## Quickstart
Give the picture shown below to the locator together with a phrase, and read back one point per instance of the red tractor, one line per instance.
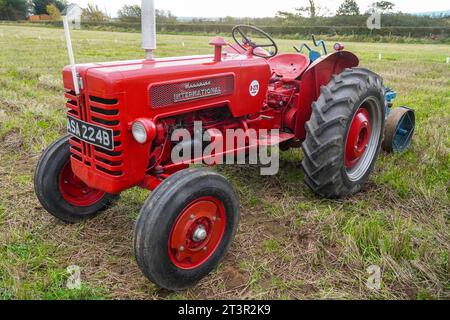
(121, 116)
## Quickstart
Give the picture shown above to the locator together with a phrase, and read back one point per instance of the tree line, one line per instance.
(21, 9)
(348, 14)
(311, 14)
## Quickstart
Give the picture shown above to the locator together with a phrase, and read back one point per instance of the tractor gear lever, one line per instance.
(313, 54)
(320, 43)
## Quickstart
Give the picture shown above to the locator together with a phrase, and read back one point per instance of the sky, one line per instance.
(255, 8)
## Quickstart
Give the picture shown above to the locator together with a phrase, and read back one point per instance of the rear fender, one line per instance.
(319, 74)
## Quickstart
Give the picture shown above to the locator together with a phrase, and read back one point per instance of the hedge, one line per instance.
(412, 32)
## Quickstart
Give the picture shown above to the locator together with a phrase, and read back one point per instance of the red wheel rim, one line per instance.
(197, 233)
(358, 138)
(75, 191)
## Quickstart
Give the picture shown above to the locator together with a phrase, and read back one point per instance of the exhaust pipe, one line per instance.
(148, 28)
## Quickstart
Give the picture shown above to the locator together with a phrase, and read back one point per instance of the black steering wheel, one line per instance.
(242, 31)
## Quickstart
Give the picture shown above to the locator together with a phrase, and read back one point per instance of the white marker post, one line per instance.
(71, 56)
(380, 56)
(448, 60)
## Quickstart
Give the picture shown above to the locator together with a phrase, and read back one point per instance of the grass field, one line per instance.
(290, 244)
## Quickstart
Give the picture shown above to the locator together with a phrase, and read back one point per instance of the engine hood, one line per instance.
(135, 79)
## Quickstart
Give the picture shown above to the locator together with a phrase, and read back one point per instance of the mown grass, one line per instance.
(290, 244)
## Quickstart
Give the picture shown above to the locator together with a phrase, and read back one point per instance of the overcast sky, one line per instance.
(255, 8)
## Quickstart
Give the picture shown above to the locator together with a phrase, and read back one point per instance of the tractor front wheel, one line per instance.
(345, 133)
(61, 192)
(185, 228)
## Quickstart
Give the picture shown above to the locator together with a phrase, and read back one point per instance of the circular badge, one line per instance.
(254, 88)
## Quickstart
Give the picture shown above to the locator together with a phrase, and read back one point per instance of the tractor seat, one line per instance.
(289, 66)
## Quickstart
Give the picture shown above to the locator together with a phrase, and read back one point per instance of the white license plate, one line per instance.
(92, 134)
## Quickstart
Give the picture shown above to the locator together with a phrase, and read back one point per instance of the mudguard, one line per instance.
(319, 74)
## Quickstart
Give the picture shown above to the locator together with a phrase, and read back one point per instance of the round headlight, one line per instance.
(139, 132)
(143, 130)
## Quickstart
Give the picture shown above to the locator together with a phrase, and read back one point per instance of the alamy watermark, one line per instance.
(74, 279)
(374, 279)
(235, 146)
(374, 21)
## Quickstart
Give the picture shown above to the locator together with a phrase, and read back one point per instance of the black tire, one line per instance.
(327, 131)
(46, 185)
(159, 216)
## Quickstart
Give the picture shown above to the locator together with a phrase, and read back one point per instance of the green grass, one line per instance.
(329, 33)
(375, 237)
(27, 271)
(290, 244)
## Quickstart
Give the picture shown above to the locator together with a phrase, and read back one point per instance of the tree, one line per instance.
(382, 6)
(13, 9)
(165, 17)
(61, 4)
(54, 12)
(285, 15)
(310, 10)
(94, 14)
(348, 8)
(130, 13)
(133, 13)
(40, 6)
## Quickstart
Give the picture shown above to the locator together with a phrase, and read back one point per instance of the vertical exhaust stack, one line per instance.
(148, 28)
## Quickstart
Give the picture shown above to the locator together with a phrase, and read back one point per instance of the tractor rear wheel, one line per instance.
(60, 192)
(185, 228)
(344, 134)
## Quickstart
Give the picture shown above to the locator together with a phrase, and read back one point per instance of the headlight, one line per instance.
(143, 130)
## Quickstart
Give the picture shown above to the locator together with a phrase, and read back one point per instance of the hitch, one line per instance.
(400, 125)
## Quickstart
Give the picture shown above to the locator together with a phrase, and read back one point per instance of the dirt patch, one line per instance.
(233, 277)
(12, 141)
(10, 105)
(275, 228)
(306, 238)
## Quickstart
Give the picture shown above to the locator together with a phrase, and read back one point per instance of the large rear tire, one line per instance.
(344, 134)
(60, 192)
(185, 228)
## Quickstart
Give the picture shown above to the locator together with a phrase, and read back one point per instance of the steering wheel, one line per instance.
(246, 41)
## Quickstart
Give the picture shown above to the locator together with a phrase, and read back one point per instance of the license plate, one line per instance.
(92, 134)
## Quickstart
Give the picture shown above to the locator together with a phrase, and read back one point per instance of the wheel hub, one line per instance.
(200, 234)
(197, 233)
(358, 138)
(75, 191)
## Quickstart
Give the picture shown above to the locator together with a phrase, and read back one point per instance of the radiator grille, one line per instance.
(104, 113)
